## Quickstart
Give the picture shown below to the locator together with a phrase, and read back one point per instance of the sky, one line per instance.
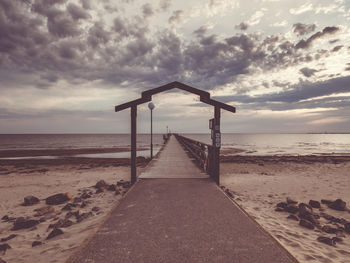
(65, 64)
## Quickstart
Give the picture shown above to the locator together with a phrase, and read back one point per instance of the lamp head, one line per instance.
(151, 106)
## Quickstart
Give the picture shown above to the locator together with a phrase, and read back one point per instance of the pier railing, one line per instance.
(203, 153)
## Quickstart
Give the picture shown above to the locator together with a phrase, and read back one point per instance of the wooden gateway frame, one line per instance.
(204, 97)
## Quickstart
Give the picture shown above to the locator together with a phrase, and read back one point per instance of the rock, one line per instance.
(293, 217)
(282, 205)
(85, 196)
(291, 201)
(22, 223)
(305, 212)
(62, 223)
(337, 240)
(70, 214)
(326, 202)
(326, 240)
(44, 210)
(279, 209)
(347, 228)
(305, 208)
(5, 218)
(101, 184)
(330, 230)
(83, 216)
(69, 207)
(293, 209)
(77, 200)
(112, 187)
(4, 247)
(58, 199)
(306, 223)
(8, 238)
(99, 190)
(95, 209)
(338, 204)
(83, 204)
(229, 193)
(314, 204)
(117, 192)
(30, 200)
(124, 184)
(55, 233)
(36, 243)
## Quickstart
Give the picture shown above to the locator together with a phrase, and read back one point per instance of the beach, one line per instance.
(258, 184)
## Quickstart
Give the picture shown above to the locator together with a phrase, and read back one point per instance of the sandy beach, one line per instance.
(44, 178)
(260, 183)
(257, 183)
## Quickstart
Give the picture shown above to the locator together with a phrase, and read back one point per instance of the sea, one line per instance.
(250, 144)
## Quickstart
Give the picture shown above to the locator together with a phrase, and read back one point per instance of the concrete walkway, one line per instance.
(179, 220)
(173, 162)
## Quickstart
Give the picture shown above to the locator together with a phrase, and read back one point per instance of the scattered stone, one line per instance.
(279, 209)
(99, 190)
(30, 200)
(36, 243)
(55, 233)
(326, 202)
(8, 238)
(85, 196)
(22, 223)
(291, 201)
(58, 199)
(330, 230)
(282, 205)
(62, 223)
(77, 200)
(293, 209)
(326, 240)
(347, 228)
(70, 214)
(112, 187)
(305, 209)
(314, 204)
(68, 207)
(4, 247)
(101, 184)
(83, 204)
(5, 218)
(338, 204)
(96, 209)
(337, 240)
(83, 216)
(305, 212)
(44, 210)
(293, 217)
(124, 184)
(117, 192)
(306, 223)
(229, 193)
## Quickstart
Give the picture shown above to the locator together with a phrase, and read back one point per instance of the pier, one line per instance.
(176, 213)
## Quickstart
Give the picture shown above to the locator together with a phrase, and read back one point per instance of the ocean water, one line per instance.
(251, 144)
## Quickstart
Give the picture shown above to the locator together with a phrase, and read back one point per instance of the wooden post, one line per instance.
(133, 143)
(217, 145)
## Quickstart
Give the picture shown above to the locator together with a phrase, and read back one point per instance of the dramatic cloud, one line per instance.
(242, 26)
(326, 31)
(308, 72)
(303, 29)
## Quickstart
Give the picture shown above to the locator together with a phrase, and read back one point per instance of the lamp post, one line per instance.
(151, 107)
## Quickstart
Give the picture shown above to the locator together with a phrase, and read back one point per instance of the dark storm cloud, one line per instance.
(98, 35)
(297, 93)
(86, 4)
(308, 72)
(200, 32)
(242, 26)
(303, 29)
(147, 10)
(337, 48)
(176, 17)
(326, 31)
(77, 12)
(165, 5)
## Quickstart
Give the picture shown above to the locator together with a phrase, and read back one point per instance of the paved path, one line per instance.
(179, 220)
(173, 162)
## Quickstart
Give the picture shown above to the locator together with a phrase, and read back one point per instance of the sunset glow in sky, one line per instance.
(65, 64)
